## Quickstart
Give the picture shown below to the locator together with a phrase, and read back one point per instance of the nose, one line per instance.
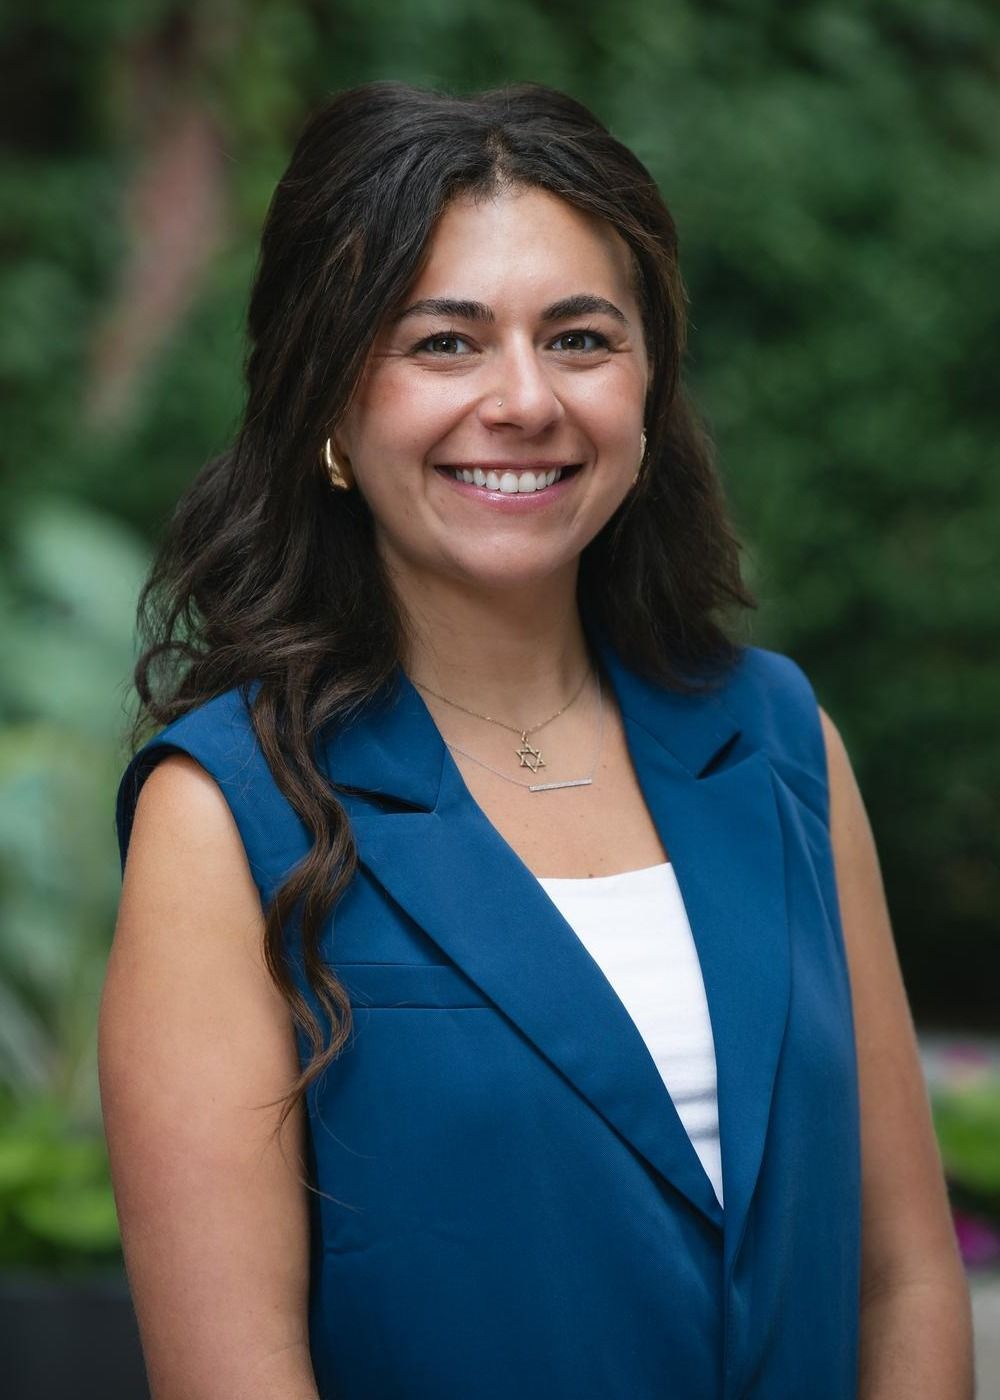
(521, 394)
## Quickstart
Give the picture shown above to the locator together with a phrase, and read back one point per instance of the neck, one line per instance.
(514, 653)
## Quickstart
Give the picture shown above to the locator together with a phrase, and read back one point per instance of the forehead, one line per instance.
(522, 243)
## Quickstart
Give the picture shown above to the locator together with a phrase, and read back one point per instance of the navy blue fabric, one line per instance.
(511, 1204)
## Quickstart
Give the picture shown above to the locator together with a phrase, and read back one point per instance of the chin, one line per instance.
(515, 578)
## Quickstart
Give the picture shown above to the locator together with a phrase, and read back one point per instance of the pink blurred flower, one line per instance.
(978, 1240)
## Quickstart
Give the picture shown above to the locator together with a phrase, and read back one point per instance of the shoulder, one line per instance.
(767, 683)
(182, 835)
(773, 700)
(219, 727)
(853, 842)
(777, 707)
(784, 708)
(206, 766)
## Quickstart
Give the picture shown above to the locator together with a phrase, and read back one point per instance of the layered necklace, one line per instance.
(527, 754)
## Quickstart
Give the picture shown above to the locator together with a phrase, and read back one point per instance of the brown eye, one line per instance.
(444, 345)
(576, 340)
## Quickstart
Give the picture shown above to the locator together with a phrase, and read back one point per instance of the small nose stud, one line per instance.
(499, 403)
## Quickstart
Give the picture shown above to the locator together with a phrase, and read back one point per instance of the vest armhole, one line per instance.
(789, 726)
(133, 779)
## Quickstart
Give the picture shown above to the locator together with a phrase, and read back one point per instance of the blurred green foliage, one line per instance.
(832, 169)
(963, 1078)
(57, 1211)
(968, 1129)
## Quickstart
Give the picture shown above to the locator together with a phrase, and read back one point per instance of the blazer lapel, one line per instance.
(443, 861)
(721, 828)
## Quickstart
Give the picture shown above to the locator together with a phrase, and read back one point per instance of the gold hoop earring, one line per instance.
(334, 470)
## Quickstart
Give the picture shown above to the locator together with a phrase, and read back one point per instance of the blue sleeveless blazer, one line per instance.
(510, 1204)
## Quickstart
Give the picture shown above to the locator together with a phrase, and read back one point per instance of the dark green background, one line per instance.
(833, 172)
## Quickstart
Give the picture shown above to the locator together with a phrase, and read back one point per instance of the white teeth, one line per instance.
(508, 482)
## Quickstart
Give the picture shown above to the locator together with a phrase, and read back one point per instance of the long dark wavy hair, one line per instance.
(267, 574)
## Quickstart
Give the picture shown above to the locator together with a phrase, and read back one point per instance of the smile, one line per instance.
(509, 482)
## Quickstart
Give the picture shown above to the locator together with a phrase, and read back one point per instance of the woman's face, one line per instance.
(518, 352)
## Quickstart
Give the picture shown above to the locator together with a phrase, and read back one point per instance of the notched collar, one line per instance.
(394, 751)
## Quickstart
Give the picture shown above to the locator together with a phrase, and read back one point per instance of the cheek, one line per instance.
(608, 398)
(409, 416)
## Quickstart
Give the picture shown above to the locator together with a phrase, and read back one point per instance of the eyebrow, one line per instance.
(582, 304)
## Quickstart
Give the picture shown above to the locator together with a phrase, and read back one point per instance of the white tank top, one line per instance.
(636, 929)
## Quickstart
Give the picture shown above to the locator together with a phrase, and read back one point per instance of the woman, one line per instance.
(503, 1000)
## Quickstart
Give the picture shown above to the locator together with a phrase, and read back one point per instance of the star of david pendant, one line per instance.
(530, 758)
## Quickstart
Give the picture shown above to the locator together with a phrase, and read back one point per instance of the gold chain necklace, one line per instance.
(549, 787)
(528, 756)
